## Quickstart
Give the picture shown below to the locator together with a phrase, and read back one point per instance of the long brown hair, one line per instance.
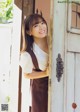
(28, 40)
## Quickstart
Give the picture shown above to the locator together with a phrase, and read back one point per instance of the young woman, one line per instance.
(34, 61)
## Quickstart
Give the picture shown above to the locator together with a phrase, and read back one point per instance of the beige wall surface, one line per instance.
(44, 6)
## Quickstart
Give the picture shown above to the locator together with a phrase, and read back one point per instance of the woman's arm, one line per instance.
(36, 74)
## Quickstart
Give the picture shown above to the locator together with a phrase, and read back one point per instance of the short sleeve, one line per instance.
(26, 62)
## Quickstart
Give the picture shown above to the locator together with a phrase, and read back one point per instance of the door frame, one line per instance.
(58, 49)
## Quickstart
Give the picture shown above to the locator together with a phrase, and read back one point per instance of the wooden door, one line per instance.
(73, 59)
(9, 62)
(65, 93)
(5, 62)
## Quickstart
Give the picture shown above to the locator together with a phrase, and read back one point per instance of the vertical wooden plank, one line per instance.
(27, 6)
(77, 83)
(19, 4)
(50, 52)
(57, 88)
(70, 80)
(16, 34)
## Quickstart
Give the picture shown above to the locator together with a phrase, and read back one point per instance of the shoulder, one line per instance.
(26, 62)
(25, 55)
(25, 58)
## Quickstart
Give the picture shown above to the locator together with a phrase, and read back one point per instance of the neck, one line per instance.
(42, 43)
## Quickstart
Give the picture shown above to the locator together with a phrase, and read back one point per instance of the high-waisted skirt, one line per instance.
(39, 91)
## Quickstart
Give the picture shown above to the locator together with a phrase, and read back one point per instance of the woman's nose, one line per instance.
(40, 26)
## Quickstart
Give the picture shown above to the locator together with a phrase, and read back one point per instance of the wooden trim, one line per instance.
(33, 6)
(70, 29)
(19, 89)
(50, 53)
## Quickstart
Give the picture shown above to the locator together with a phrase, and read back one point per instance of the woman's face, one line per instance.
(39, 30)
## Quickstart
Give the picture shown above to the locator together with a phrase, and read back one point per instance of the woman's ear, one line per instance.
(28, 32)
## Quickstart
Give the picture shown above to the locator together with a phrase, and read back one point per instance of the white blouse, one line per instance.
(26, 60)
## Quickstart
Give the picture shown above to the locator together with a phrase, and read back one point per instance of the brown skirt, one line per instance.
(39, 95)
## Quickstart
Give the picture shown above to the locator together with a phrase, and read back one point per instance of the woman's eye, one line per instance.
(42, 22)
(35, 25)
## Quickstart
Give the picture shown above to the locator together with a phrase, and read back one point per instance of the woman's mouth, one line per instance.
(42, 31)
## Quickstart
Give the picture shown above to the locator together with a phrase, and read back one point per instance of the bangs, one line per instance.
(36, 20)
